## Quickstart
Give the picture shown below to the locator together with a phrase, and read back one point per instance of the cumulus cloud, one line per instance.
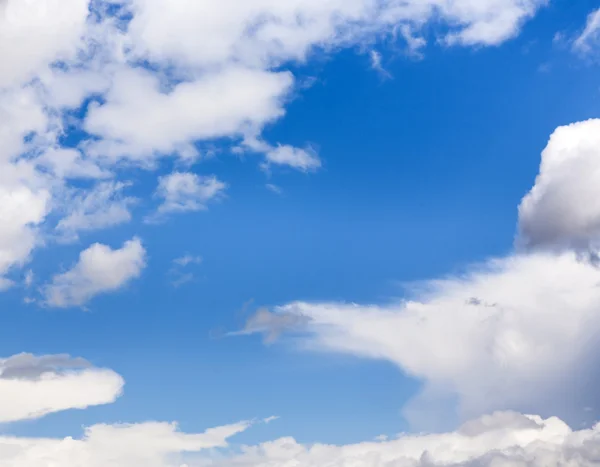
(32, 387)
(46, 31)
(99, 270)
(563, 208)
(532, 325)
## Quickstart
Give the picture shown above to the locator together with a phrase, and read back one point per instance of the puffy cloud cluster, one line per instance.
(153, 78)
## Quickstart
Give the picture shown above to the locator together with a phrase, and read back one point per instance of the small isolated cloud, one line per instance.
(179, 272)
(377, 65)
(38, 386)
(99, 270)
(590, 37)
(186, 260)
(304, 160)
(301, 159)
(185, 192)
(274, 188)
(28, 279)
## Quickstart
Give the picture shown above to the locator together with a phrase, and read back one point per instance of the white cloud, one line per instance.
(32, 387)
(140, 120)
(102, 206)
(21, 211)
(492, 337)
(563, 208)
(99, 270)
(274, 188)
(69, 164)
(504, 439)
(186, 260)
(506, 334)
(590, 36)
(150, 444)
(186, 191)
(217, 70)
(300, 159)
(45, 31)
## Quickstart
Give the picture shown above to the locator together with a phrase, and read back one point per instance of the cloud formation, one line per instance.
(517, 333)
(589, 37)
(563, 207)
(184, 192)
(100, 269)
(151, 79)
(32, 387)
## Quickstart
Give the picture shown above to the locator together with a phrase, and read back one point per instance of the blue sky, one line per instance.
(422, 169)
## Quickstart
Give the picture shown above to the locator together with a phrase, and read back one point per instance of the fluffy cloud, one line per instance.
(46, 31)
(140, 119)
(32, 387)
(147, 444)
(100, 269)
(505, 439)
(563, 208)
(492, 337)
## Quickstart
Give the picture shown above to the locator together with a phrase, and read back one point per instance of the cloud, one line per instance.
(178, 271)
(501, 439)
(96, 86)
(140, 120)
(513, 333)
(563, 208)
(505, 439)
(97, 208)
(274, 188)
(186, 260)
(46, 31)
(538, 331)
(590, 36)
(272, 325)
(32, 387)
(99, 270)
(185, 192)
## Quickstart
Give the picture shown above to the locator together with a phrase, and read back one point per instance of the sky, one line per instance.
(342, 233)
